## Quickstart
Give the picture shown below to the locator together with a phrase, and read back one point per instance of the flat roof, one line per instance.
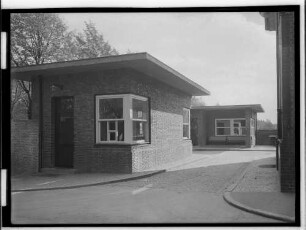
(142, 62)
(255, 107)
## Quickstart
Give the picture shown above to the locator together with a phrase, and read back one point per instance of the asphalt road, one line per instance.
(190, 194)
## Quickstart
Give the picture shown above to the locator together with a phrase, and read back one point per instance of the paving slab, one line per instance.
(54, 180)
(258, 191)
(273, 202)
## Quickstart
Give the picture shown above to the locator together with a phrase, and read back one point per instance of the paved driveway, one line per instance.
(191, 193)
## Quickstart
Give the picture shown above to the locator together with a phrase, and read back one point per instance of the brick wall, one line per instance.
(287, 74)
(262, 137)
(24, 147)
(166, 104)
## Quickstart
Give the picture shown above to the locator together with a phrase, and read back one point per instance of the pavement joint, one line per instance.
(238, 178)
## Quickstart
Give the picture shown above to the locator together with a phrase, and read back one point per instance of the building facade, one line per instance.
(224, 125)
(285, 24)
(118, 114)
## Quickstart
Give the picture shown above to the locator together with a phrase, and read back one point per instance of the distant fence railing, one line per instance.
(266, 137)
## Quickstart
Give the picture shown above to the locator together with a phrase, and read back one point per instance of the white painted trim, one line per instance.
(128, 127)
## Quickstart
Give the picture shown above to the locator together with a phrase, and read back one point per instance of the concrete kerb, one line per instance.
(91, 184)
(228, 198)
(157, 171)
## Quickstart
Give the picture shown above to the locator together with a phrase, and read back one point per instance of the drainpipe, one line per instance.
(40, 106)
(279, 99)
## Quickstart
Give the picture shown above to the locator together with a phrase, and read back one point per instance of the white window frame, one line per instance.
(231, 127)
(188, 110)
(127, 117)
(137, 119)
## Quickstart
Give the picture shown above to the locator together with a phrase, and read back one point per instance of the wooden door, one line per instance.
(64, 132)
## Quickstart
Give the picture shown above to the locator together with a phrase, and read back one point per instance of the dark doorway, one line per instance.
(194, 131)
(63, 111)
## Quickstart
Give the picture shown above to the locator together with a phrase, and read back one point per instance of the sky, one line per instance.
(229, 54)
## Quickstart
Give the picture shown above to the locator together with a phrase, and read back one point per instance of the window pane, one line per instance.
(140, 130)
(103, 131)
(243, 130)
(223, 123)
(236, 131)
(112, 125)
(120, 130)
(185, 116)
(111, 108)
(140, 109)
(241, 121)
(186, 131)
(223, 131)
(112, 136)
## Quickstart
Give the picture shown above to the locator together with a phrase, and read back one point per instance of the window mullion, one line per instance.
(98, 126)
(188, 123)
(127, 105)
(107, 131)
(116, 133)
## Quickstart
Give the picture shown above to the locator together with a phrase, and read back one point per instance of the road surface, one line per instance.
(187, 194)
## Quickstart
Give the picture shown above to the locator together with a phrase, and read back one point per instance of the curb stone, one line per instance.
(91, 184)
(228, 198)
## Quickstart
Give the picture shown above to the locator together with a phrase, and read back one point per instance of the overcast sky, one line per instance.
(230, 54)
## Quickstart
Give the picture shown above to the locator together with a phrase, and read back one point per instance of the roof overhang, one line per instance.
(255, 107)
(142, 62)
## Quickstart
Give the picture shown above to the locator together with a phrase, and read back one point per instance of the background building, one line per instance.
(224, 125)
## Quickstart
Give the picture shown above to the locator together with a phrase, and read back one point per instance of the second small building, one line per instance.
(224, 125)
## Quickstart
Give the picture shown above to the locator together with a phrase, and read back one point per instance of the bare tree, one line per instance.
(35, 39)
(197, 101)
(38, 38)
(91, 44)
